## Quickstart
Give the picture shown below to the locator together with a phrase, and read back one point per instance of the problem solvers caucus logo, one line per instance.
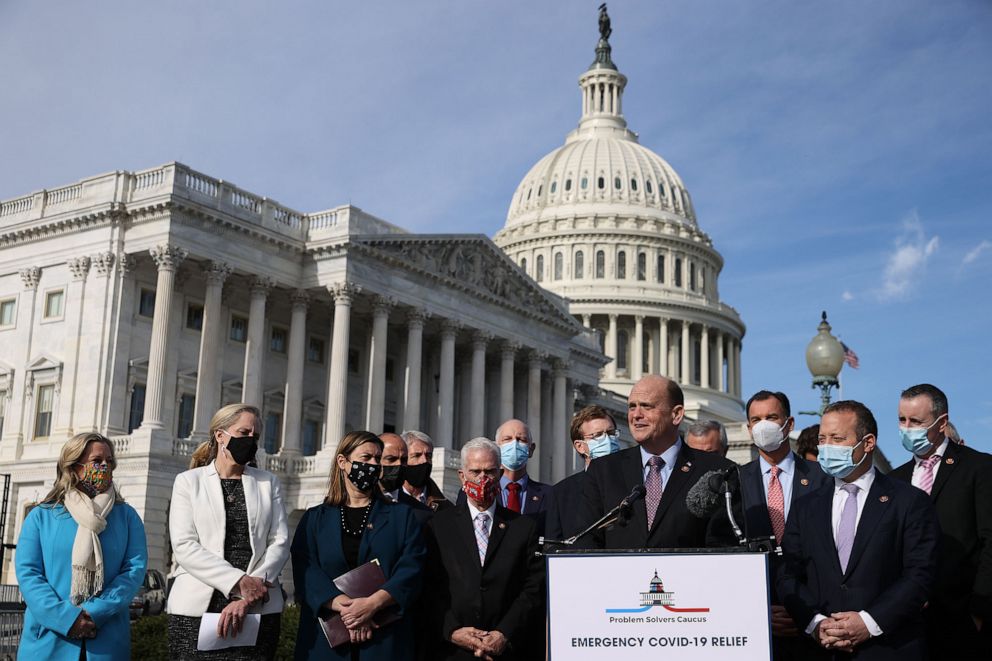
(656, 596)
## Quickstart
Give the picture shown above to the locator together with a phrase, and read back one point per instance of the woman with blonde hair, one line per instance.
(81, 558)
(355, 525)
(230, 540)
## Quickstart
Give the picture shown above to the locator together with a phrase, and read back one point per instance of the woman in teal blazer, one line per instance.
(81, 558)
(353, 526)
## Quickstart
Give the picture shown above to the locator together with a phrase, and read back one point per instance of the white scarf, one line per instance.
(90, 514)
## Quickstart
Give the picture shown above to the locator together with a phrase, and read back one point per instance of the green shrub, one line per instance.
(287, 633)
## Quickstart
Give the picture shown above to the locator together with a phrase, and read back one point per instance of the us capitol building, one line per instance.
(137, 303)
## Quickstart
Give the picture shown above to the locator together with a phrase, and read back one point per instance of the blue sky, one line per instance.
(839, 154)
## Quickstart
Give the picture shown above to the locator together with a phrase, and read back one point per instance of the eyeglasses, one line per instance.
(613, 435)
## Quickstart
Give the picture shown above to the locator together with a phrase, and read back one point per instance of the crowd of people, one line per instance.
(872, 565)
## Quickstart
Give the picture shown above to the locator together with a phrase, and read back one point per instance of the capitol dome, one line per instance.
(608, 224)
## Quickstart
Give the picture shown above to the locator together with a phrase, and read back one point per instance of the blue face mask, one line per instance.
(514, 455)
(602, 445)
(838, 460)
(915, 440)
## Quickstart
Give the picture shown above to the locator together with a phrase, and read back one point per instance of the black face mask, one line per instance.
(392, 477)
(417, 475)
(243, 448)
(363, 475)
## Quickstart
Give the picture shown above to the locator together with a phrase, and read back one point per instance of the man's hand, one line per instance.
(848, 628)
(782, 624)
(232, 618)
(494, 642)
(83, 627)
(470, 639)
(822, 637)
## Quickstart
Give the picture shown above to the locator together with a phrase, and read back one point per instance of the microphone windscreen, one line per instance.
(702, 501)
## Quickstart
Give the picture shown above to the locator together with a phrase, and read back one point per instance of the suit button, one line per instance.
(482, 589)
(843, 587)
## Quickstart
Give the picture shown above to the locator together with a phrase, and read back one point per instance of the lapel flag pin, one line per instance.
(949, 460)
(685, 469)
(883, 499)
(502, 525)
(533, 497)
(804, 482)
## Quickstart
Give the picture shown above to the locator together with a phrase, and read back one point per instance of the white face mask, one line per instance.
(767, 435)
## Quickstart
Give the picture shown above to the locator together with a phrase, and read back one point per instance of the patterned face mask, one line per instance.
(482, 492)
(96, 478)
(363, 475)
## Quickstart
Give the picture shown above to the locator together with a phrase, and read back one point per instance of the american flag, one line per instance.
(850, 357)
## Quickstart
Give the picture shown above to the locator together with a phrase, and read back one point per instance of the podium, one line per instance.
(698, 604)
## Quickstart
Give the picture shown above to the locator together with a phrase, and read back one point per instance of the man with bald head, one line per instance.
(393, 462)
(518, 491)
(663, 464)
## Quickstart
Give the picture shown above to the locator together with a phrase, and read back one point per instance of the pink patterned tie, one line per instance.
(926, 478)
(776, 505)
(652, 486)
(482, 535)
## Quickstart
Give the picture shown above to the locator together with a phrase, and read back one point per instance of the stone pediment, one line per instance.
(44, 362)
(474, 264)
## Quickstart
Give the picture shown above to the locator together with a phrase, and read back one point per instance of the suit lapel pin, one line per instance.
(804, 482)
(502, 525)
(534, 498)
(685, 469)
(949, 460)
(883, 499)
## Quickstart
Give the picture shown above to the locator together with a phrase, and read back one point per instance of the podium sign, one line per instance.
(700, 606)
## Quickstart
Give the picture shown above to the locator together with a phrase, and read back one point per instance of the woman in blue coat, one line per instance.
(81, 558)
(354, 525)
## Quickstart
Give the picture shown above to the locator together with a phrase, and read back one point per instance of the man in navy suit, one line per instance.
(519, 492)
(770, 486)
(860, 552)
(959, 482)
(594, 434)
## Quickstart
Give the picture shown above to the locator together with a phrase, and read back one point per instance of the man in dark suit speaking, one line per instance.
(959, 482)
(860, 554)
(662, 463)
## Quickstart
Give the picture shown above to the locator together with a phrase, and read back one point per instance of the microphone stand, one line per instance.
(615, 515)
(759, 544)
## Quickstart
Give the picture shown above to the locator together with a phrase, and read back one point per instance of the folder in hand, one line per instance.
(362, 581)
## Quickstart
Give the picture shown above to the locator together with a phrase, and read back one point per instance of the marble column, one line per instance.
(534, 367)
(375, 401)
(587, 320)
(292, 411)
(721, 383)
(73, 305)
(337, 374)
(252, 384)
(446, 386)
(559, 439)
(637, 369)
(704, 357)
(665, 367)
(731, 368)
(415, 319)
(685, 377)
(167, 259)
(208, 370)
(17, 395)
(611, 348)
(737, 367)
(477, 400)
(507, 354)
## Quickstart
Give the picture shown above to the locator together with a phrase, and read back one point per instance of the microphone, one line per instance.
(704, 497)
(636, 494)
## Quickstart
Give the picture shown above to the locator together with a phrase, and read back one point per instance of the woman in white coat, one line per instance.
(230, 541)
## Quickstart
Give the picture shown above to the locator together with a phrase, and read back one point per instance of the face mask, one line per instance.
(514, 455)
(242, 448)
(837, 460)
(482, 492)
(96, 478)
(767, 435)
(602, 445)
(417, 475)
(363, 475)
(915, 440)
(392, 477)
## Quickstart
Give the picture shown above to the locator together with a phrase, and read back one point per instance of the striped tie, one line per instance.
(776, 505)
(482, 535)
(926, 476)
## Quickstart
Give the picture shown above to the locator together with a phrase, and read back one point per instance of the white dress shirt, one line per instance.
(474, 511)
(840, 498)
(669, 456)
(918, 472)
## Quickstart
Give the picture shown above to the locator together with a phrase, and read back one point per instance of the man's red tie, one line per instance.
(513, 499)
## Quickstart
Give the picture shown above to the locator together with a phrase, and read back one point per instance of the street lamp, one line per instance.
(824, 358)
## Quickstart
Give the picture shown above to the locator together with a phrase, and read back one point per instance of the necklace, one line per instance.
(361, 527)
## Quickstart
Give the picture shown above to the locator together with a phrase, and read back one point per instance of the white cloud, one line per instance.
(976, 252)
(847, 296)
(906, 263)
